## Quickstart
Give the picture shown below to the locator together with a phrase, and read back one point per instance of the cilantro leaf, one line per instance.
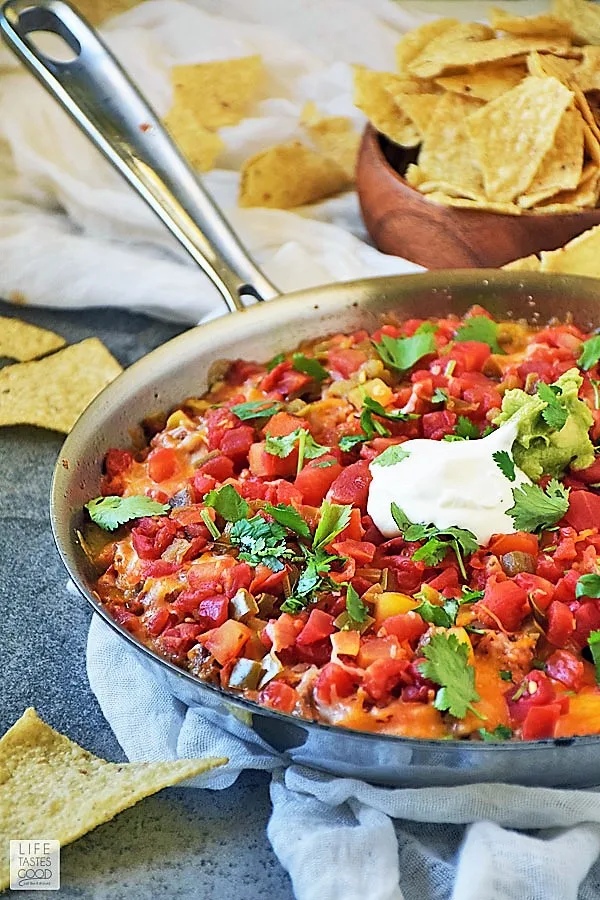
(505, 463)
(275, 361)
(443, 616)
(394, 415)
(309, 366)
(349, 441)
(439, 396)
(255, 409)
(500, 733)
(402, 353)
(432, 552)
(590, 353)
(400, 517)
(228, 503)
(554, 414)
(482, 329)
(594, 645)
(260, 542)
(357, 610)
(110, 512)
(534, 508)
(289, 517)
(588, 586)
(438, 540)
(333, 519)
(426, 327)
(469, 596)
(505, 674)
(447, 665)
(313, 578)
(284, 445)
(466, 429)
(390, 456)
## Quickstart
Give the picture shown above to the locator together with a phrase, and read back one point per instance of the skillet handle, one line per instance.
(109, 109)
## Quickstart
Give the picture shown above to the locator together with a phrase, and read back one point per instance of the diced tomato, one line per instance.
(507, 602)
(157, 621)
(385, 675)
(405, 626)
(438, 424)
(284, 380)
(180, 638)
(564, 666)
(354, 530)
(280, 696)
(282, 632)
(540, 722)
(591, 475)
(469, 355)
(583, 511)
(587, 619)
(361, 551)
(239, 576)
(266, 580)
(162, 463)
(372, 648)
(539, 590)
(315, 654)
(157, 568)
(315, 479)
(407, 574)
(282, 424)
(116, 462)
(561, 624)
(345, 361)
(270, 466)
(564, 591)
(334, 683)
(352, 486)
(236, 442)
(288, 493)
(319, 626)
(448, 578)
(548, 568)
(202, 485)
(218, 421)
(151, 537)
(219, 468)
(519, 542)
(212, 611)
(536, 689)
(226, 641)
(341, 576)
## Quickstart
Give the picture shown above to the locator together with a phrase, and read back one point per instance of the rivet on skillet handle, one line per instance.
(109, 109)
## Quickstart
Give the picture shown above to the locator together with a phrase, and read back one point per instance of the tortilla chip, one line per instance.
(51, 786)
(289, 175)
(544, 24)
(420, 108)
(446, 154)
(509, 209)
(581, 256)
(584, 196)
(511, 135)
(372, 94)
(583, 16)
(97, 11)
(200, 146)
(216, 93)
(525, 264)
(415, 41)
(544, 65)
(53, 392)
(460, 54)
(22, 341)
(586, 74)
(592, 146)
(562, 166)
(334, 136)
(485, 82)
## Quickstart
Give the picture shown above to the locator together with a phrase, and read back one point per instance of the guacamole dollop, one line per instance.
(540, 449)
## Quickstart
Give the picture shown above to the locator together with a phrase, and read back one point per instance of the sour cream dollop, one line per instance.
(447, 483)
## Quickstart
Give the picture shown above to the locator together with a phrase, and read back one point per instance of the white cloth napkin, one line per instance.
(342, 839)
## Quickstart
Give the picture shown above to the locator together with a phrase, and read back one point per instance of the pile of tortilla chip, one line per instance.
(581, 256)
(50, 385)
(52, 787)
(505, 117)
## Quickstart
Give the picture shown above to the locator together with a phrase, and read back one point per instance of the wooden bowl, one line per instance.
(401, 221)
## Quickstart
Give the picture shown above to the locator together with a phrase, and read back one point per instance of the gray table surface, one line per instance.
(181, 843)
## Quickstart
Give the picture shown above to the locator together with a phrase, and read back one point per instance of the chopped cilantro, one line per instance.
(500, 733)
(349, 441)
(482, 329)
(590, 353)
(356, 609)
(261, 542)
(289, 517)
(432, 552)
(447, 665)
(554, 414)
(255, 409)
(284, 445)
(372, 427)
(594, 645)
(469, 596)
(394, 415)
(588, 586)
(309, 366)
(228, 503)
(214, 531)
(275, 361)
(505, 463)
(534, 509)
(402, 353)
(439, 396)
(438, 541)
(465, 430)
(426, 327)
(110, 512)
(390, 456)
(443, 616)
(538, 664)
(333, 519)
(505, 674)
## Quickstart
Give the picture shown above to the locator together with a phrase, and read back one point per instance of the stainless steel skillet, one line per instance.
(98, 95)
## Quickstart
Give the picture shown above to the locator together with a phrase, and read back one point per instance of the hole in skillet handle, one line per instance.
(45, 33)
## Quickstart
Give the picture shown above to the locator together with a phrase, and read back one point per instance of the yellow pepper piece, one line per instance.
(392, 603)
(375, 388)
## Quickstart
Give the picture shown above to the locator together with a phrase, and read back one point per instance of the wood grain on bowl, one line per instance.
(403, 222)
